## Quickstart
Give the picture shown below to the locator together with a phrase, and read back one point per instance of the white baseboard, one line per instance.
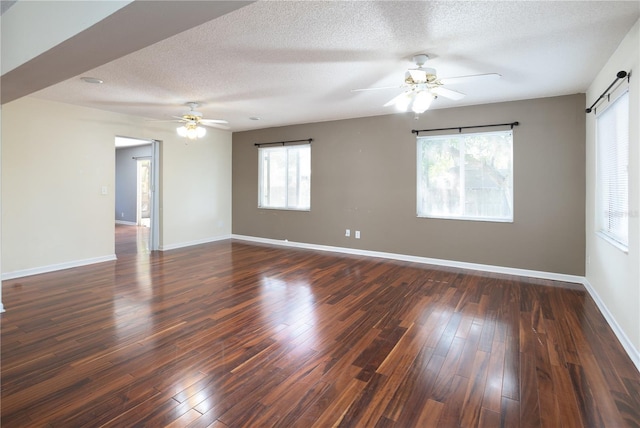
(56, 267)
(417, 259)
(126, 223)
(191, 243)
(633, 353)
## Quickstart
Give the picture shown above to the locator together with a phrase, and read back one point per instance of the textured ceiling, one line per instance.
(290, 62)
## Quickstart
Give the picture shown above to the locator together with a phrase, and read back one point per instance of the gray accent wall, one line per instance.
(363, 177)
(126, 181)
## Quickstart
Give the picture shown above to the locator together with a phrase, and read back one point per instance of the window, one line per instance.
(612, 161)
(466, 176)
(284, 177)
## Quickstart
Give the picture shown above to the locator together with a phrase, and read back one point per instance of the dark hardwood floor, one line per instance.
(233, 334)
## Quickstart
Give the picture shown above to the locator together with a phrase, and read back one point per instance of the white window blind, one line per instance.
(612, 164)
(284, 177)
(466, 176)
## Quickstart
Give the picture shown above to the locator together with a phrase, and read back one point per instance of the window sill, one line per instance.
(486, 220)
(610, 240)
(285, 209)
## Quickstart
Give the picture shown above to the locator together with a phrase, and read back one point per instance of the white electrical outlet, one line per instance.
(357, 234)
(347, 233)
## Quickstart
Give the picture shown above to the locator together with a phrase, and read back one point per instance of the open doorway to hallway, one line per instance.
(135, 201)
(143, 194)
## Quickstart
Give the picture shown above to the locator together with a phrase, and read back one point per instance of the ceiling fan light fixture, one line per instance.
(191, 131)
(422, 101)
(402, 103)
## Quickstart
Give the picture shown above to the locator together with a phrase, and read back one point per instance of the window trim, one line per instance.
(600, 215)
(260, 168)
(510, 219)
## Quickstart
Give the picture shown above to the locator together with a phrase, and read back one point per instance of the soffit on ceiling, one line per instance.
(5, 5)
(297, 62)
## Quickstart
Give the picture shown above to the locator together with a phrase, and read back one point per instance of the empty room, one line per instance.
(320, 213)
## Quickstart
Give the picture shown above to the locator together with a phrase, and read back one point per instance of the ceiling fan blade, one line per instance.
(395, 99)
(447, 93)
(459, 79)
(165, 121)
(211, 121)
(215, 125)
(376, 89)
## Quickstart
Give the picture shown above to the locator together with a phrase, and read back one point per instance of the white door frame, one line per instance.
(154, 236)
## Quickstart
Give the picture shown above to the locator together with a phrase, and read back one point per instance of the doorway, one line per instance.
(143, 184)
(136, 204)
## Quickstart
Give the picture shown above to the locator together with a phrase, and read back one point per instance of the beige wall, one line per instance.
(364, 178)
(55, 160)
(613, 274)
(196, 195)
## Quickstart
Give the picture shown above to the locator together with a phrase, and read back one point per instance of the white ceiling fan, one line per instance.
(192, 120)
(422, 85)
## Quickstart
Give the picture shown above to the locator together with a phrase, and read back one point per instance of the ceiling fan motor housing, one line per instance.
(420, 75)
(420, 59)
